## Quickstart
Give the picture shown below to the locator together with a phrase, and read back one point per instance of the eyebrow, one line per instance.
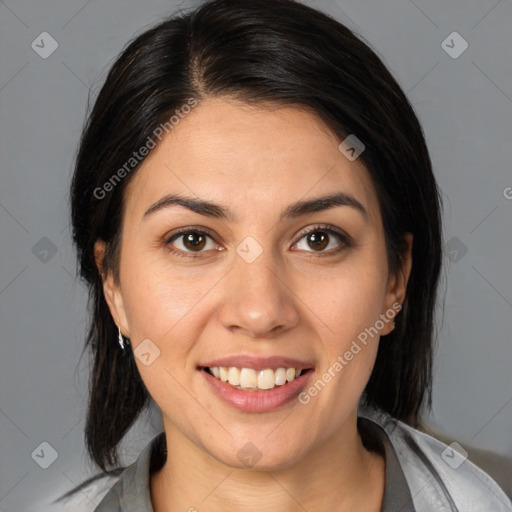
(293, 211)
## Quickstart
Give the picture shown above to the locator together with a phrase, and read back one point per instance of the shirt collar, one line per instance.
(131, 493)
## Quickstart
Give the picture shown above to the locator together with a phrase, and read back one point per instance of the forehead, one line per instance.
(256, 160)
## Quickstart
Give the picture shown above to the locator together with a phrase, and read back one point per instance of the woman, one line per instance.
(257, 219)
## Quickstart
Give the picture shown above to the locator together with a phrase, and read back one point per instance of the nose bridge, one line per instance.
(258, 300)
(259, 277)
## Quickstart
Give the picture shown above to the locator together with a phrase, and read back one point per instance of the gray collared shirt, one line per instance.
(422, 474)
(131, 493)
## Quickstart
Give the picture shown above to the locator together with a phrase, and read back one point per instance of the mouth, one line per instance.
(257, 380)
(255, 384)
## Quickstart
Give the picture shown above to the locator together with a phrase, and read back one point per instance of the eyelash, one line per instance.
(324, 228)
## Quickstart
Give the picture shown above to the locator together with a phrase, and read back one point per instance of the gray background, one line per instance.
(465, 106)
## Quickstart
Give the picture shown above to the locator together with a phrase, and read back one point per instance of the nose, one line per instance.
(257, 300)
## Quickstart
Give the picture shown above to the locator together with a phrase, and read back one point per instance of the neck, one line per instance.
(191, 479)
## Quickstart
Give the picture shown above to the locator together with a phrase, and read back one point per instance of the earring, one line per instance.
(120, 338)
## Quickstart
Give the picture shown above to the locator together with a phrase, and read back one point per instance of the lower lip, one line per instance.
(256, 401)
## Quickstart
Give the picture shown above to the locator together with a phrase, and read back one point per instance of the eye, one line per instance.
(325, 239)
(319, 238)
(190, 241)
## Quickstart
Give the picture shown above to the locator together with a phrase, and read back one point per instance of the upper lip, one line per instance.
(257, 363)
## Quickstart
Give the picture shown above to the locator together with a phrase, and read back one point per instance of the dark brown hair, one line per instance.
(261, 52)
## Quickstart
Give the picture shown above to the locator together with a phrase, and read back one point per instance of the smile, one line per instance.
(249, 379)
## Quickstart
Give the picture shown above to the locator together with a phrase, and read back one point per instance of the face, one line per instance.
(261, 282)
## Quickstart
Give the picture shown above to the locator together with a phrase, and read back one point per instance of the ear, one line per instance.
(397, 284)
(111, 289)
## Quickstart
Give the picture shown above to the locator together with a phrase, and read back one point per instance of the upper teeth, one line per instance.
(248, 378)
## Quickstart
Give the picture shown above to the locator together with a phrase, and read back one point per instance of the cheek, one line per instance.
(348, 306)
(164, 308)
(348, 298)
(158, 299)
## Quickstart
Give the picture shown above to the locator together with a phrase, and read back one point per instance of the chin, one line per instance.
(259, 456)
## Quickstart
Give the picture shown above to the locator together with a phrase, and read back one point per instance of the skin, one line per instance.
(293, 300)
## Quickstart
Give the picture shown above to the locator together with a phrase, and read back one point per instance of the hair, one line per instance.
(264, 53)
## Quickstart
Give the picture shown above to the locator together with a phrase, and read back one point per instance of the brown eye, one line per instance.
(318, 240)
(186, 243)
(194, 241)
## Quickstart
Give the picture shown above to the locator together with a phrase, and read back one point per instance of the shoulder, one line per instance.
(437, 474)
(88, 498)
(130, 491)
